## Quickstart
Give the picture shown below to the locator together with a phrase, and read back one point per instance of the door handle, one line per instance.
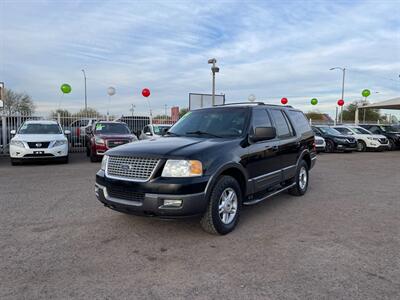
(273, 148)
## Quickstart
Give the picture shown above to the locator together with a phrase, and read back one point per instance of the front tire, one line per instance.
(301, 180)
(224, 207)
(15, 162)
(94, 157)
(392, 145)
(361, 146)
(329, 147)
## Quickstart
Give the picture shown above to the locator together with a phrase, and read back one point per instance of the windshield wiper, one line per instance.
(172, 133)
(199, 132)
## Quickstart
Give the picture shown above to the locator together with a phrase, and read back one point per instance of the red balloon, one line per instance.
(146, 92)
(284, 101)
(340, 102)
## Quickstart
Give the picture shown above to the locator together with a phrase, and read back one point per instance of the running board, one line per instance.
(255, 201)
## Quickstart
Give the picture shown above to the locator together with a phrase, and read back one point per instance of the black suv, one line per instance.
(210, 163)
(391, 132)
(335, 141)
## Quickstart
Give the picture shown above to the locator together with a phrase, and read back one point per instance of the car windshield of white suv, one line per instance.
(40, 129)
(215, 122)
(107, 128)
(359, 130)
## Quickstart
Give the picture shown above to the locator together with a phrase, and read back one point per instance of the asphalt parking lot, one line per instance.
(340, 241)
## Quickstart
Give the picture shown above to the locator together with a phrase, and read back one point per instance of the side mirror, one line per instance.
(13, 132)
(88, 130)
(263, 134)
(67, 132)
(164, 131)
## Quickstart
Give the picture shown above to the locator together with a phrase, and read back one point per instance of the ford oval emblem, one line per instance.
(125, 167)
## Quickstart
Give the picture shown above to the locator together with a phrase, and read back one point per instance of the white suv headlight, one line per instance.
(104, 163)
(182, 168)
(17, 144)
(59, 143)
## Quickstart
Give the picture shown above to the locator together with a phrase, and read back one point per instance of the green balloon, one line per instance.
(314, 101)
(66, 88)
(366, 93)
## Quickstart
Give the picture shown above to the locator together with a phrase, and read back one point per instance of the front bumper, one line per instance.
(346, 146)
(148, 198)
(29, 153)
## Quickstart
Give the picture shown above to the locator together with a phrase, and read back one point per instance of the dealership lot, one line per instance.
(340, 240)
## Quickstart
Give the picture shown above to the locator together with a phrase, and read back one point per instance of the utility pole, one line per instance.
(341, 108)
(84, 77)
(214, 69)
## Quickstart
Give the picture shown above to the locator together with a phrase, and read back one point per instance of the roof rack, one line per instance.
(238, 103)
(253, 103)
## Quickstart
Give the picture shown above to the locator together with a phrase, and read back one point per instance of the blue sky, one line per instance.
(272, 49)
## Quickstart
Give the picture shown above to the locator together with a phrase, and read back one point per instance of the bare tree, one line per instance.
(18, 103)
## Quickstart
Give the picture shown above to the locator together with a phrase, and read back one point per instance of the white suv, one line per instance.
(365, 139)
(39, 140)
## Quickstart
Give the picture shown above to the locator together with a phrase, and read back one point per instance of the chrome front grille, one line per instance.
(319, 142)
(131, 168)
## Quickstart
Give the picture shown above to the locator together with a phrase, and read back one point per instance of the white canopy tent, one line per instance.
(388, 104)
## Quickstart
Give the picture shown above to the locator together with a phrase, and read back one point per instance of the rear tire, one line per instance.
(301, 179)
(224, 207)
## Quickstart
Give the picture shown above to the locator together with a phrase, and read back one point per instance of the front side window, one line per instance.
(328, 130)
(38, 128)
(282, 127)
(260, 118)
(344, 131)
(213, 122)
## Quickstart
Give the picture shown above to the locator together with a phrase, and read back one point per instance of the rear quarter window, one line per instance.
(299, 121)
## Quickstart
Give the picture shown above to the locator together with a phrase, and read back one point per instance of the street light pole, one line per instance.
(341, 108)
(214, 69)
(84, 77)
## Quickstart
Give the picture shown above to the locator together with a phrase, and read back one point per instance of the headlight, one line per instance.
(182, 168)
(104, 163)
(59, 143)
(340, 140)
(17, 144)
(99, 141)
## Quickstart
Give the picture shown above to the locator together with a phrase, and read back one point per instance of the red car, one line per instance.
(106, 135)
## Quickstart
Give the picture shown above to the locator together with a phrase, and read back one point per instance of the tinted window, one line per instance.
(146, 129)
(282, 128)
(160, 129)
(261, 118)
(344, 130)
(299, 120)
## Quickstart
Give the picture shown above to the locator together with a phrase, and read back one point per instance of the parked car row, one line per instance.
(348, 138)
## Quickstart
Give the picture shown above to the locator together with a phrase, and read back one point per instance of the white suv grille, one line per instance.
(131, 168)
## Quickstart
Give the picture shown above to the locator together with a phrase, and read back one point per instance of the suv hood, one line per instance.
(38, 137)
(169, 146)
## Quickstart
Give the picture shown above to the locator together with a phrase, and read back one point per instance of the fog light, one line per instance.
(173, 203)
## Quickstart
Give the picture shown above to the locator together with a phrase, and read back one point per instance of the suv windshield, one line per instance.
(107, 128)
(359, 130)
(328, 130)
(36, 128)
(388, 128)
(213, 122)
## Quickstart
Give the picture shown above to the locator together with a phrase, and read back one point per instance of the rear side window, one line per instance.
(299, 121)
(281, 125)
(261, 118)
